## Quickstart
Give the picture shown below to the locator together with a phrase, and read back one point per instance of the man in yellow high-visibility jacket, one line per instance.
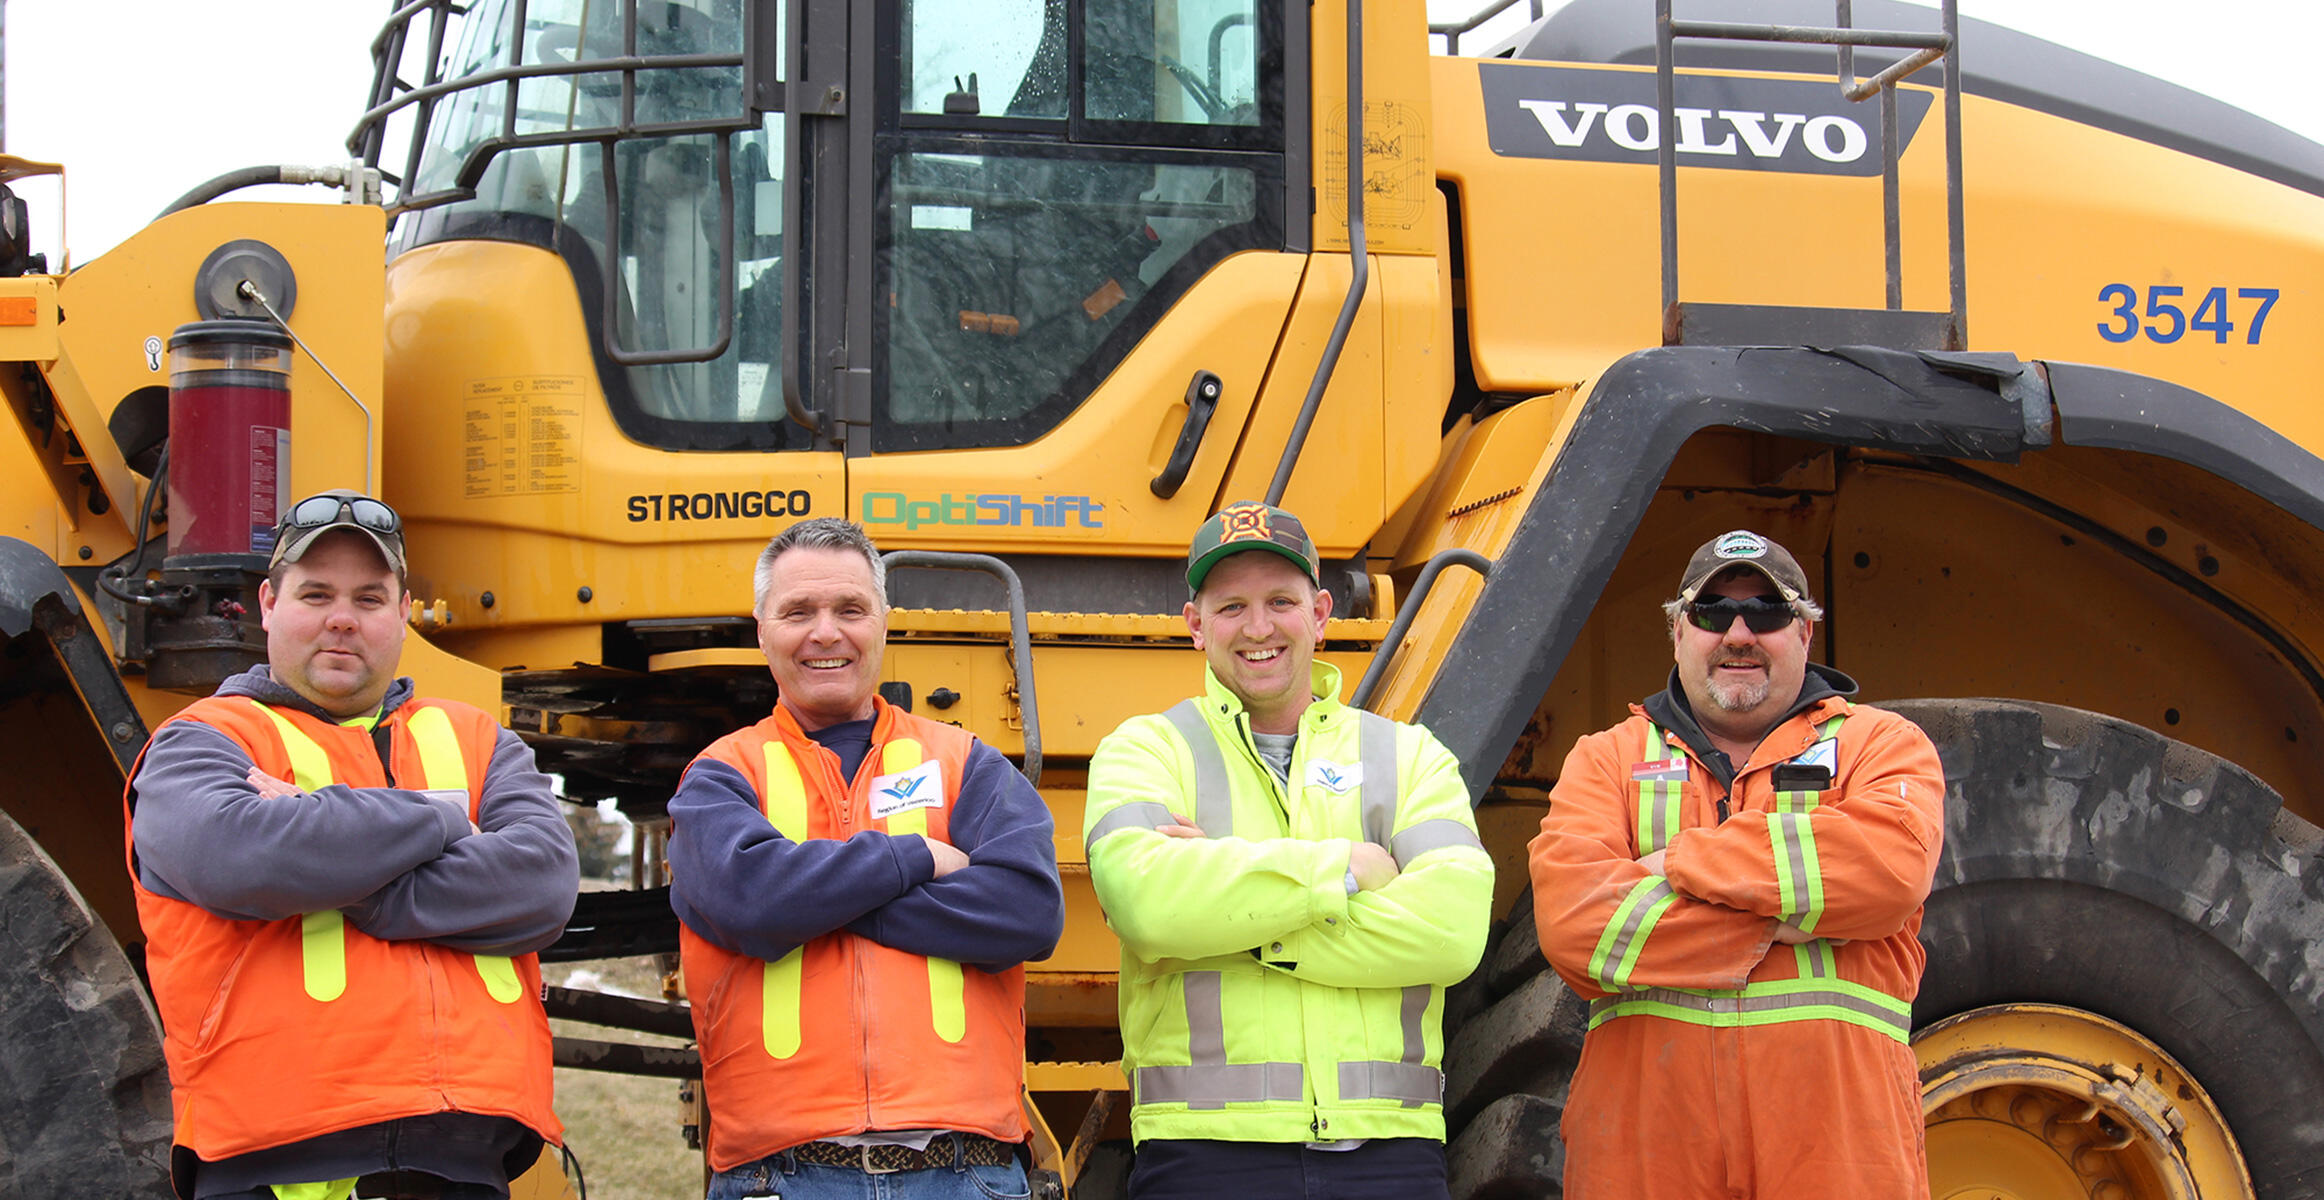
(1294, 883)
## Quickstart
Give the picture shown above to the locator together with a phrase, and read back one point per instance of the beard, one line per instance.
(1735, 695)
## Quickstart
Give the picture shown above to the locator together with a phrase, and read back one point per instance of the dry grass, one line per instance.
(624, 1128)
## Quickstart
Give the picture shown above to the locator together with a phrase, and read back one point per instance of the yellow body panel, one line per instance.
(530, 498)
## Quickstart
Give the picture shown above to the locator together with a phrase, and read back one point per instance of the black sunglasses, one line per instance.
(315, 512)
(1761, 614)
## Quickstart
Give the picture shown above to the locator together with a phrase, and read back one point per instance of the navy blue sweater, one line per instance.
(749, 888)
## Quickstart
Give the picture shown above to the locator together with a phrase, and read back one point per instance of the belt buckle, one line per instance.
(872, 1168)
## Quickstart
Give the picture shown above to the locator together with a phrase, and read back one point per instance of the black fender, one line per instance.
(1977, 407)
(38, 600)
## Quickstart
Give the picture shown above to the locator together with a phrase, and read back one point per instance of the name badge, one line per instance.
(455, 797)
(1674, 767)
(920, 787)
(1337, 778)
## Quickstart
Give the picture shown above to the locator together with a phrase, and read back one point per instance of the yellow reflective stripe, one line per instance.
(444, 768)
(1625, 935)
(1799, 877)
(310, 764)
(947, 992)
(323, 954)
(1659, 800)
(322, 935)
(786, 809)
(337, 1189)
(1771, 1002)
(441, 761)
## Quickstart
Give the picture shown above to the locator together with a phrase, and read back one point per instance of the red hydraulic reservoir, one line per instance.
(229, 438)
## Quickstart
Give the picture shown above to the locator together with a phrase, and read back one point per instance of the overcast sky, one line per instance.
(143, 99)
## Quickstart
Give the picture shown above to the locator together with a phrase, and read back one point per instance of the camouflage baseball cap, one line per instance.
(1250, 525)
(1743, 548)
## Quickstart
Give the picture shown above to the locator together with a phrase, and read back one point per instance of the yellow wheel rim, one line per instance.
(2039, 1102)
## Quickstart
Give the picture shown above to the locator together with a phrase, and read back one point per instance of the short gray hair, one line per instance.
(817, 533)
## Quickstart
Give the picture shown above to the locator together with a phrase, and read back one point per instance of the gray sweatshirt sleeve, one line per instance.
(505, 890)
(204, 835)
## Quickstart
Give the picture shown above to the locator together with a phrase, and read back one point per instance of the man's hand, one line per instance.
(1788, 934)
(948, 857)
(1374, 867)
(1180, 827)
(270, 788)
(1653, 862)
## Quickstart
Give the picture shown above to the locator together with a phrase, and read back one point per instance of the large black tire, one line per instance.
(84, 1094)
(2089, 863)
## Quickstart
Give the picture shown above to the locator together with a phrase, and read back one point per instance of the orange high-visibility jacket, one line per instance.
(843, 1035)
(280, 1031)
(1720, 1062)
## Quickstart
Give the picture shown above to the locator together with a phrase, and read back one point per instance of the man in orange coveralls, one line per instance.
(1733, 877)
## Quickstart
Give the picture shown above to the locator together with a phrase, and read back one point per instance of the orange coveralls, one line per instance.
(1720, 1063)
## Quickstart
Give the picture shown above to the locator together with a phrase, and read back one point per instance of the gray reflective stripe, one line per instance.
(1412, 1081)
(1218, 1086)
(1376, 750)
(1436, 833)
(1410, 1013)
(1206, 1024)
(1214, 806)
(1842, 1001)
(1413, 1084)
(1784, 828)
(1141, 814)
(1658, 799)
(1815, 959)
(1619, 952)
(1209, 1081)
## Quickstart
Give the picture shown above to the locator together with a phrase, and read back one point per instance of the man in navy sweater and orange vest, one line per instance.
(343, 887)
(858, 890)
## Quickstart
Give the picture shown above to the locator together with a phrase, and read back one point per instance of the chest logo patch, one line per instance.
(920, 787)
(1825, 754)
(1337, 778)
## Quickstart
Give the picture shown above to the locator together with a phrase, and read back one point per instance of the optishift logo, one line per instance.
(987, 508)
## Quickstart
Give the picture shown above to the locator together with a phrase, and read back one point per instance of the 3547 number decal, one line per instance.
(2167, 318)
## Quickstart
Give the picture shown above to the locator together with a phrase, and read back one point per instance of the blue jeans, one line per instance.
(1380, 1169)
(779, 1175)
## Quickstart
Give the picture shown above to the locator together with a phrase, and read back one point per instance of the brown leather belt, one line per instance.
(975, 1151)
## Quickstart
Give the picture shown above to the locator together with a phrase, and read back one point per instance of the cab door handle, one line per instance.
(1202, 395)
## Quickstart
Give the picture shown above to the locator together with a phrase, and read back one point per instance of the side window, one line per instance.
(1034, 223)
(993, 58)
(1193, 63)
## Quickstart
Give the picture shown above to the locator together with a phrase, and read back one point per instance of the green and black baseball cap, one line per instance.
(1250, 525)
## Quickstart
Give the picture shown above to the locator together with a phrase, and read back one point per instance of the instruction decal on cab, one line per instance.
(1733, 122)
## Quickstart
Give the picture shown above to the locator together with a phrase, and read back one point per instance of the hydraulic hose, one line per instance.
(234, 181)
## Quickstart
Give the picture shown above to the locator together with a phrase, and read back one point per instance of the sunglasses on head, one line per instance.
(315, 512)
(1761, 614)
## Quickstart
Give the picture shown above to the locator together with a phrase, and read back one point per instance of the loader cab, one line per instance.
(814, 225)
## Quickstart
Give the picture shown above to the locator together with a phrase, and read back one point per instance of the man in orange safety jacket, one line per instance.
(858, 891)
(1733, 877)
(343, 887)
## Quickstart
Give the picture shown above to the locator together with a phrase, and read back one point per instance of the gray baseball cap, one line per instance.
(309, 519)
